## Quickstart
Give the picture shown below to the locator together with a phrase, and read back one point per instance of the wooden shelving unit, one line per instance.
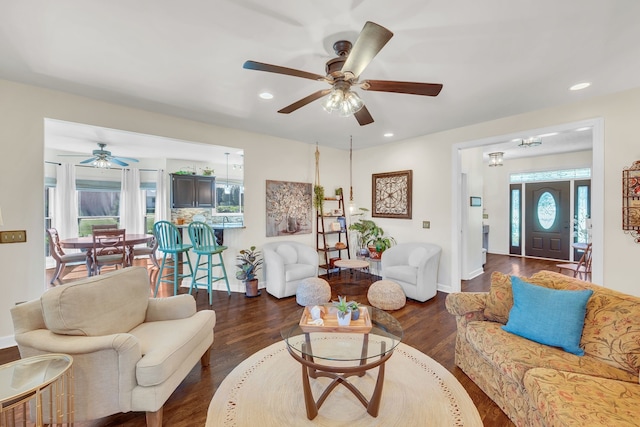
(326, 237)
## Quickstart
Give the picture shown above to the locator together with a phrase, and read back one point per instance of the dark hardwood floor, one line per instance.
(246, 325)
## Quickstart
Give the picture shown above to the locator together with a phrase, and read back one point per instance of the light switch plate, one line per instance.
(16, 236)
(426, 224)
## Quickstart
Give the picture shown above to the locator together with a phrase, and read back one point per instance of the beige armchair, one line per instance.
(286, 264)
(415, 267)
(130, 352)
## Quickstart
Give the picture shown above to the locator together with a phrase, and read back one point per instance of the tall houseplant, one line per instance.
(249, 262)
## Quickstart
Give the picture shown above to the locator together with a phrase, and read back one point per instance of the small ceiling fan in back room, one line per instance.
(343, 72)
(102, 158)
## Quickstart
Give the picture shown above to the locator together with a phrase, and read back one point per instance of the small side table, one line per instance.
(29, 380)
(353, 264)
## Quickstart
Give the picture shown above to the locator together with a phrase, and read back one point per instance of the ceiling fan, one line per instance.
(103, 158)
(343, 73)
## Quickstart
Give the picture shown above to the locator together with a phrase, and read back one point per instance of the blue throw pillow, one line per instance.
(553, 317)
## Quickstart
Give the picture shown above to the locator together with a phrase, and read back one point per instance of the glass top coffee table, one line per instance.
(340, 352)
(27, 379)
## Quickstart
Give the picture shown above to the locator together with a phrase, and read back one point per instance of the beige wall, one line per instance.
(23, 109)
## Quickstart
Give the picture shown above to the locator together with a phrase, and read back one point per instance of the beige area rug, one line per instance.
(266, 390)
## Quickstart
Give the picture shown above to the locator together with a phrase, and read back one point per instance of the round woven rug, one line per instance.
(266, 390)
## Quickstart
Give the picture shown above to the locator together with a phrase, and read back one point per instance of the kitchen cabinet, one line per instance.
(193, 191)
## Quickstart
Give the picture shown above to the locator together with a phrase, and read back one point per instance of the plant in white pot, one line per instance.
(344, 311)
(249, 263)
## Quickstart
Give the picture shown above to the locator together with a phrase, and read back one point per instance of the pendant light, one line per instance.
(227, 189)
(352, 204)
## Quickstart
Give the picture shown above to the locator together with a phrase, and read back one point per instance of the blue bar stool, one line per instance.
(205, 245)
(170, 243)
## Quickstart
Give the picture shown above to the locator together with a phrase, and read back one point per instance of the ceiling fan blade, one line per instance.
(118, 162)
(92, 159)
(363, 116)
(427, 89)
(259, 66)
(304, 101)
(371, 40)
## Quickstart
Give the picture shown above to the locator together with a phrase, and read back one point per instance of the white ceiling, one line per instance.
(495, 58)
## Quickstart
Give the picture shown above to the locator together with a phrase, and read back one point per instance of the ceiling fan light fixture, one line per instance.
(343, 101)
(101, 163)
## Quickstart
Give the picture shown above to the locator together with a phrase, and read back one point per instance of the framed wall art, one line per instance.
(289, 209)
(391, 194)
(631, 200)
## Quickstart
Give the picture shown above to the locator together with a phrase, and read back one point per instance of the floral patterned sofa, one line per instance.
(540, 385)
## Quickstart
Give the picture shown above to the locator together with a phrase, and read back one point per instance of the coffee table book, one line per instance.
(330, 318)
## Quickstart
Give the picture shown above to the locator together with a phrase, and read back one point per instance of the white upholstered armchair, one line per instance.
(130, 352)
(415, 267)
(286, 264)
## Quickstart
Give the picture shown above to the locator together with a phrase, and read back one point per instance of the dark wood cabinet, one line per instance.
(193, 191)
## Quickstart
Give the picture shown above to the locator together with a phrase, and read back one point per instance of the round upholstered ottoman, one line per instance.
(386, 295)
(313, 291)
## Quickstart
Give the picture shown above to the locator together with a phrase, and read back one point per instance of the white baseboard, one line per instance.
(445, 288)
(8, 341)
(219, 286)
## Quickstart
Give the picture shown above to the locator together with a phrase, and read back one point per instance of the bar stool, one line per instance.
(205, 245)
(170, 243)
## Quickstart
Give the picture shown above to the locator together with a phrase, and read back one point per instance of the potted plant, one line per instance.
(378, 242)
(363, 229)
(318, 198)
(249, 262)
(355, 310)
(344, 311)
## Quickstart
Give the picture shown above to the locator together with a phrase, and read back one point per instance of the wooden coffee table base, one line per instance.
(340, 375)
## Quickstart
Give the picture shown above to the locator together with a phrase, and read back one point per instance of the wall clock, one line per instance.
(392, 194)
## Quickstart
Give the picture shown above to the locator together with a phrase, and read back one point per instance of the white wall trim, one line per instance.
(597, 193)
(8, 341)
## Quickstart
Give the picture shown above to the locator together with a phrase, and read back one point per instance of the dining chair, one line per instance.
(109, 248)
(170, 244)
(104, 227)
(581, 269)
(206, 247)
(148, 250)
(60, 256)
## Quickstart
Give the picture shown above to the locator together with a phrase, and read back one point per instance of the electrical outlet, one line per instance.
(16, 236)
(426, 224)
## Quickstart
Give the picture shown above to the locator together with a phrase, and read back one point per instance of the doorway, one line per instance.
(547, 221)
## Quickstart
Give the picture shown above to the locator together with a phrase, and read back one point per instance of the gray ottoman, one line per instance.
(386, 295)
(313, 291)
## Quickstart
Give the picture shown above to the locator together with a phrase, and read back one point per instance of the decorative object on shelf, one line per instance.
(288, 208)
(338, 193)
(207, 171)
(631, 200)
(392, 194)
(249, 263)
(340, 245)
(530, 142)
(495, 159)
(344, 311)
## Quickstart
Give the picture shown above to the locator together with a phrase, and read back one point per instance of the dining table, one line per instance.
(86, 243)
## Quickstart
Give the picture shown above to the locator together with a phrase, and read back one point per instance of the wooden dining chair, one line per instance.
(581, 269)
(109, 249)
(60, 256)
(104, 227)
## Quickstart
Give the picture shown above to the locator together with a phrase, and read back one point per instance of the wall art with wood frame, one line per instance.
(391, 194)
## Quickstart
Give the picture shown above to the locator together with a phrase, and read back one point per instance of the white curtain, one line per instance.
(162, 212)
(131, 202)
(65, 209)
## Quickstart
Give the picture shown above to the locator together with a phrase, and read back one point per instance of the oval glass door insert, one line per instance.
(547, 210)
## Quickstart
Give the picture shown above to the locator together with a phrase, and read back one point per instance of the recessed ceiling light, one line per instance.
(388, 134)
(266, 95)
(580, 86)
